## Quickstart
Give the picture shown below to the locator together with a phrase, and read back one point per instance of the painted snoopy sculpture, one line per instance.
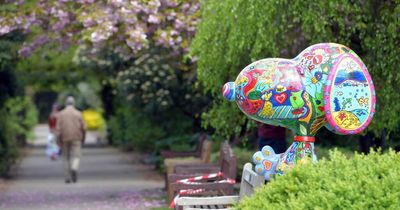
(327, 85)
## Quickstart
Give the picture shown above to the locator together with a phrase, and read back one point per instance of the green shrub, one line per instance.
(130, 129)
(323, 152)
(22, 115)
(243, 156)
(185, 142)
(8, 143)
(363, 182)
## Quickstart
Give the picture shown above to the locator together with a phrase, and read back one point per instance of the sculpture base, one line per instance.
(301, 151)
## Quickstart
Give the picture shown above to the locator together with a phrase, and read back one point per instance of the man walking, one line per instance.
(71, 130)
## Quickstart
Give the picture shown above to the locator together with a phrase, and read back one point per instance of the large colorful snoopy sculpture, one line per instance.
(325, 85)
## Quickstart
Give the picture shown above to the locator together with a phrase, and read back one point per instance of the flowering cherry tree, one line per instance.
(127, 26)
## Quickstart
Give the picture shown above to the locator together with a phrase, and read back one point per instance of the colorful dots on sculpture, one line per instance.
(266, 161)
(327, 85)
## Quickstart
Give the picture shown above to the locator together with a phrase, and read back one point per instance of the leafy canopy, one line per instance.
(232, 34)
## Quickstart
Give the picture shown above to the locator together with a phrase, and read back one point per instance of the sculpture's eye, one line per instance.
(318, 75)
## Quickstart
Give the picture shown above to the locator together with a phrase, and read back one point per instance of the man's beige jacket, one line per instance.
(70, 125)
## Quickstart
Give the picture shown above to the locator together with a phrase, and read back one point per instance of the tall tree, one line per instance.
(234, 33)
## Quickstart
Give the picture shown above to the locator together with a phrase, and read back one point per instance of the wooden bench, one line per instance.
(250, 180)
(195, 153)
(192, 158)
(227, 165)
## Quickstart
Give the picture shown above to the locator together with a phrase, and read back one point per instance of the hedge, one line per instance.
(362, 182)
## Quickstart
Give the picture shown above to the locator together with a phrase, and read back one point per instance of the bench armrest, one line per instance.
(173, 154)
(196, 169)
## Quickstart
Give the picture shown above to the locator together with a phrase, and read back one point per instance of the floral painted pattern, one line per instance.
(325, 85)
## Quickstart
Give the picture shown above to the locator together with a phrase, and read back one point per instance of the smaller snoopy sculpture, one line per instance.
(327, 85)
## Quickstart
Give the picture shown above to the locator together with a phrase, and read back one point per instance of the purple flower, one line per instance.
(59, 26)
(39, 41)
(64, 43)
(25, 51)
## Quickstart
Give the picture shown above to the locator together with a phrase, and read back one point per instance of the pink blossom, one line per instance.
(179, 24)
(153, 19)
(171, 16)
(86, 1)
(97, 36)
(169, 3)
(89, 22)
(185, 6)
(154, 3)
(136, 7)
(5, 29)
(164, 22)
(117, 3)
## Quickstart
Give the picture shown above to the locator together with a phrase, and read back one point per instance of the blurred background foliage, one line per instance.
(18, 114)
(163, 95)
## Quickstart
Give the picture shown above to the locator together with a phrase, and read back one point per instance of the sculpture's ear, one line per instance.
(349, 95)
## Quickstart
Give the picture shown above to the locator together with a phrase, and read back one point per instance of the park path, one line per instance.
(108, 179)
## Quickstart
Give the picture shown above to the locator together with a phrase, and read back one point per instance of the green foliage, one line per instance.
(9, 87)
(234, 33)
(8, 143)
(158, 90)
(183, 142)
(157, 82)
(22, 115)
(51, 69)
(130, 129)
(243, 156)
(323, 152)
(362, 182)
(149, 83)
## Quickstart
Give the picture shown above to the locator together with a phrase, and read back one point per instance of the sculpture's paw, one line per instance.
(266, 161)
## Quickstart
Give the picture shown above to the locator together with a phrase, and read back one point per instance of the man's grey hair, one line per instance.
(70, 101)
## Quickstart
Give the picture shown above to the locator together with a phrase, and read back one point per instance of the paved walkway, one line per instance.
(108, 179)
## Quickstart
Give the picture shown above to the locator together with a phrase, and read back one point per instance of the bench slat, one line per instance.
(220, 200)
